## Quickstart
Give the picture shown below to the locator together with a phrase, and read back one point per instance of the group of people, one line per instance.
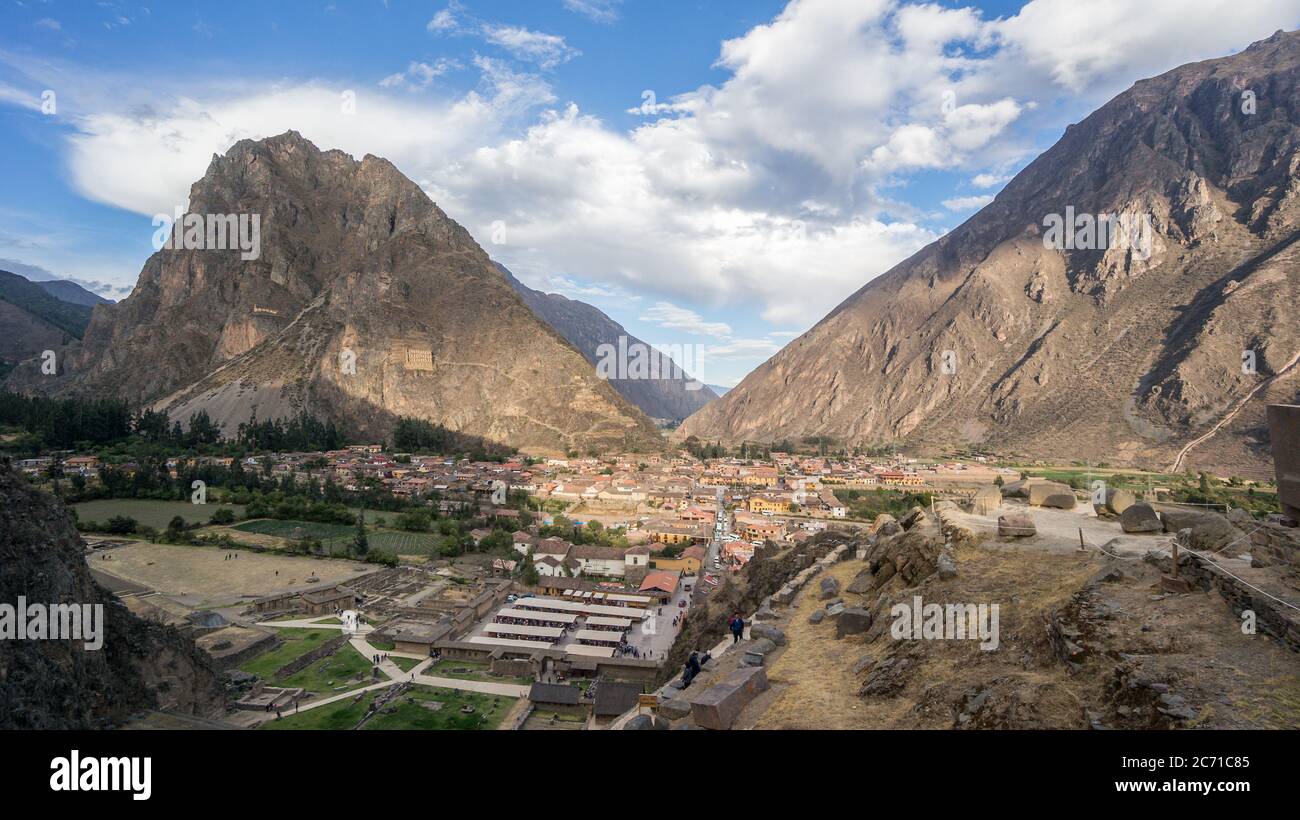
(693, 666)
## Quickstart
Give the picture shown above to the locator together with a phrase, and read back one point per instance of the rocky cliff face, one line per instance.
(366, 302)
(587, 328)
(49, 684)
(1129, 352)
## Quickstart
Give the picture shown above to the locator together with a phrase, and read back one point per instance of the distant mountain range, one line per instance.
(1158, 348)
(72, 293)
(39, 316)
(587, 328)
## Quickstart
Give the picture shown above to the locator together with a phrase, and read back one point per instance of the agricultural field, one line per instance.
(296, 529)
(149, 513)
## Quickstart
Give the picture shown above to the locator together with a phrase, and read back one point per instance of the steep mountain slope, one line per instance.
(32, 298)
(366, 302)
(72, 293)
(587, 328)
(59, 684)
(1126, 353)
(33, 321)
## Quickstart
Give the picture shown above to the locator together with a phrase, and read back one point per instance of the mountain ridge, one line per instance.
(1099, 354)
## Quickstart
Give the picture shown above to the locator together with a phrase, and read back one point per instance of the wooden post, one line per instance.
(1175, 556)
(1082, 548)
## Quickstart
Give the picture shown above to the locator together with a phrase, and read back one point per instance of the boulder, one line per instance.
(986, 500)
(852, 621)
(1140, 517)
(674, 708)
(718, 706)
(645, 722)
(834, 608)
(773, 634)
(1016, 525)
(1060, 501)
(1114, 502)
(817, 617)
(829, 588)
(1039, 492)
(881, 520)
(946, 566)
(1020, 489)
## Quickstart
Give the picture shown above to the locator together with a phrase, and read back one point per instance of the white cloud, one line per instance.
(967, 203)
(48, 23)
(988, 180)
(600, 11)
(762, 193)
(419, 74)
(443, 21)
(547, 50)
(673, 317)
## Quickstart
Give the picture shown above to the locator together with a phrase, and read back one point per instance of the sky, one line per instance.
(716, 175)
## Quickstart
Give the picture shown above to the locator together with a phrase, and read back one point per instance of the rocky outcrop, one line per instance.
(992, 336)
(59, 684)
(365, 303)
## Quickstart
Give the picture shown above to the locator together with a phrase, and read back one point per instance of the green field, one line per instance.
(325, 676)
(488, 711)
(469, 670)
(403, 543)
(149, 513)
(297, 642)
(296, 529)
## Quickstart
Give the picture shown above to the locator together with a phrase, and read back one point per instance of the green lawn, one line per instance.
(488, 712)
(149, 513)
(473, 670)
(325, 676)
(297, 642)
(404, 664)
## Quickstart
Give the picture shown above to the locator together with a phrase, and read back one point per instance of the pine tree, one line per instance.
(359, 543)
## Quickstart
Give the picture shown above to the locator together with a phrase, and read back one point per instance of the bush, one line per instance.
(223, 516)
(121, 525)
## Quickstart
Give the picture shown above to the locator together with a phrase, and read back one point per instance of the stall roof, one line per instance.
(551, 632)
(590, 651)
(599, 635)
(604, 620)
(537, 615)
(483, 639)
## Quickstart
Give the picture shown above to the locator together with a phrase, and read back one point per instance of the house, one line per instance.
(688, 563)
(638, 556)
(660, 583)
(597, 560)
(523, 541)
(557, 697)
(614, 698)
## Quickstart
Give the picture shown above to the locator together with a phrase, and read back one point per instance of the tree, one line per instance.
(223, 516)
(359, 542)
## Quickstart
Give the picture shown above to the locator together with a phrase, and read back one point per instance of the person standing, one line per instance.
(737, 628)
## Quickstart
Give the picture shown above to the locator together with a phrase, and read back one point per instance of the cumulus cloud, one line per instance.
(761, 193)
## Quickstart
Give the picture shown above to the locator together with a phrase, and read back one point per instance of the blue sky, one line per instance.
(790, 152)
